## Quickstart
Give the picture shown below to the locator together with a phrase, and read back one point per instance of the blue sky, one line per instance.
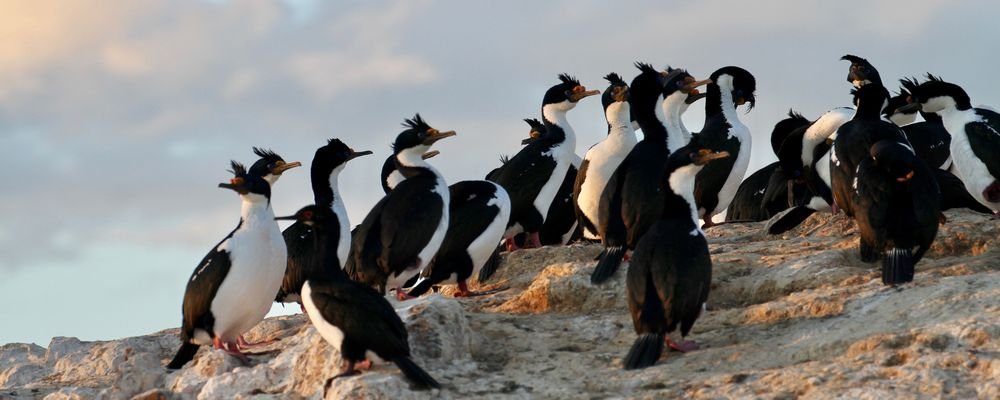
(118, 118)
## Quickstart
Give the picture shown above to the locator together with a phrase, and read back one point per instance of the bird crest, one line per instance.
(569, 80)
(615, 79)
(534, 123)
(908, 84)
(417, 123)
(237, 168)
(796, 115)
(933, 78)
(646, 67)
(266, 153)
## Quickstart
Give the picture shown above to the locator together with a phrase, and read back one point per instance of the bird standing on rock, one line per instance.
(355, 319)
(328, 162)
(404, 230)
(232, 288)
(668, 281)
(535, 174)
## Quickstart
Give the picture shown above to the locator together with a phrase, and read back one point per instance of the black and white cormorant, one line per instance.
(975, 137)
(632, 199)
(770, 190)
(535, 174)
(391, 176)
(232, 288)
(355, 319)
(327, 164)
(270, 165)
(717, 182)
(603, 158)
(896, 208)
(403, 231)
(670, 275)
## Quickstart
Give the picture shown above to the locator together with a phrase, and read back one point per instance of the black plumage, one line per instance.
(327, 163)
(199, 324)
(533, 176)
(671, 272)
(631, 200)
(896, 208)
(855, 138)
(349, 315)
(475, 206)
(770, 189)
(270, 165)
(401, 233)
(718, 182)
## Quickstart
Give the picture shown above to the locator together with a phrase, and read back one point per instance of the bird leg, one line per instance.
(511, 246)
(533, 241)
(791, 193)
(682, 346)
(627, 256)
(401, 295)
(230, 348)
(366, 364)
(303, 308)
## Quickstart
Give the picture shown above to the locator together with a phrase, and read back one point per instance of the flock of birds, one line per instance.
(640, 193)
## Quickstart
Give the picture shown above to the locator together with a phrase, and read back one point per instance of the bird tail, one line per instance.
(422, 285)
(645, 351)
(491, 265)
(184, 354)
(608, 264)
(789, 219)
(897, 266)
(415, 374)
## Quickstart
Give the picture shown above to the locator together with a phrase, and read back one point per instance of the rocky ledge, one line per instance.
(789, 316)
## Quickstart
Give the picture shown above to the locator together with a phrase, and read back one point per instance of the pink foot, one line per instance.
(683, 346)
(627, 257)
(230, 348)
(533, 241)
(364, 365)
(511, 246)
(402, 295)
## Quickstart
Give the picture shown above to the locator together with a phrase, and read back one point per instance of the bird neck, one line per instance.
(652, 121)
(325, 187)
(326, 252)
(673, 107)
(557, 126)
(618, 115)
(719, 98)
(410, 163)
(679, 199)
(256, 211)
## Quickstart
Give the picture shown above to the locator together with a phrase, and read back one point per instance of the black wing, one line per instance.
(985, 140)
(710, 180)
(411, 214)
(366, 247)
(748, 203)
(300, 239)
(524, 175)
(201, 289)
(469, 215)
(610, 224)
(365, 317)
(874, 198)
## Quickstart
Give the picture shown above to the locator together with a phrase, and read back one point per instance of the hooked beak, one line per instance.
(702, 159)
(577, 96)
(905, 178)
(357, 154)
(434, 136)
(430, 154)
(691, 87)
(278, 170)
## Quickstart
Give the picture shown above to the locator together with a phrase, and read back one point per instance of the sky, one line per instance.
(118, 118)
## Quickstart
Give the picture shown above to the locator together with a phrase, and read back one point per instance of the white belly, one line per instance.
(427, 253)
(603, 160)
(330, 333)
(970, 169)
(482, 248)
(545, 196)
(728, 191)
(245, 296)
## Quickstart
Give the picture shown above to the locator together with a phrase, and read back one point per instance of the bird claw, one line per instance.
(683, 346)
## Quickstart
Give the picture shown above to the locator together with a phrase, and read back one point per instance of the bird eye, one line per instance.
(307, 215)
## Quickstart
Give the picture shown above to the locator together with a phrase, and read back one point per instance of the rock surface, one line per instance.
(789, 316)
